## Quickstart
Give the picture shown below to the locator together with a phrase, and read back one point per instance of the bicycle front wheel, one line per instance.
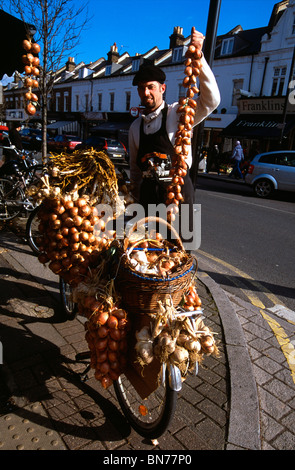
(151, 417)
(69, 308)
(11, 199)
(32, 230)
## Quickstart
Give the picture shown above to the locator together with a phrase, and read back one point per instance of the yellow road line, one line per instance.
(256, 284)
(279, 333)
(284, 342)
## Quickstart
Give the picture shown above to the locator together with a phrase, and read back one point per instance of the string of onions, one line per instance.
(186, 110)
(67, 237)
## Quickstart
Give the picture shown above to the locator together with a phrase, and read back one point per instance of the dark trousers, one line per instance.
(154, 192)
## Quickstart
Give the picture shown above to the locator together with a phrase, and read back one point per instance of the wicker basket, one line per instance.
(140, 293)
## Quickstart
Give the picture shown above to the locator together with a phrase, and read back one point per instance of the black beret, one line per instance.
(149, 73)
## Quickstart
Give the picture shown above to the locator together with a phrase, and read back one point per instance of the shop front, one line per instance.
(262, 126)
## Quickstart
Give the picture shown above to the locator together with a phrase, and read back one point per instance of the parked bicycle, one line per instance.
(149, 415)
(16, 176)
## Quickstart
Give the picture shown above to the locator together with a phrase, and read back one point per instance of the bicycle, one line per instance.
(149, 416)
(16, 176)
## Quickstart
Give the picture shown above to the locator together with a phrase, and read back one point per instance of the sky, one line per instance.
(137, 26)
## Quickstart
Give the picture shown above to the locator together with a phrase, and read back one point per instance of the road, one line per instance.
(249, 242)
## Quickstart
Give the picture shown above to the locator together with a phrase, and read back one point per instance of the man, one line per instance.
(14, 135)
(154, 130)
(237, 157)
(15, 141)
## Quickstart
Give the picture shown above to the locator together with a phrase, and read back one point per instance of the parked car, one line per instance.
(272, 171)
(31, 138)
(3, 132)
(114, 148)
(62, 143)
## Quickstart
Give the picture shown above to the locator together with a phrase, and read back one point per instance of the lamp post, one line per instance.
(208, 50)
(286, 99)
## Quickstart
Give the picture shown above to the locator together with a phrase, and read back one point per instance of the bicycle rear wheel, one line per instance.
(151, 417)
(11, 199)
(32, 230)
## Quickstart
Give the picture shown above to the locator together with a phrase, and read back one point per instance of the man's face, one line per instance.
(151, 94)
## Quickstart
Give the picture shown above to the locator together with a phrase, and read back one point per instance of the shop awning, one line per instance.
(111, 126)
(251, 126)
(64, 126)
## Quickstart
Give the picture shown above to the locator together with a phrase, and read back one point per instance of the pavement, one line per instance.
(242, 400)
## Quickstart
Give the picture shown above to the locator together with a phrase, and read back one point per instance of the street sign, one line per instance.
(134, 112)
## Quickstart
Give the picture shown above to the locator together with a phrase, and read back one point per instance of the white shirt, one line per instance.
(207, 101)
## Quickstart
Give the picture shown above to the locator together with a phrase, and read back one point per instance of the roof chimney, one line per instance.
(177, 38)
(70, 64)
(113, 55)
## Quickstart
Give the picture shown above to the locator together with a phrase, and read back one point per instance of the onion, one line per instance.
(77, 221)
(68, 204)
(102, 356)
(98, 375)
(113, 345)
(114, 375)
(85, 224)
(101, 344)
(80, 202)
(69, 222)
(102, 331)
(112, 322)
(106, 382)
(192, 345)
(112, 356)
(102, 318)
(207, 341)
(27, 45)
(115, 334)
(84, 210)
(55, 266)
(179, 355)
(73, 211)
(83, 236)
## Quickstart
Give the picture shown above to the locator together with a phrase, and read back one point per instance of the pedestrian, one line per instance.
(238, 157)
(14, 135)
(15, 141)
(154, 130)
(215, 159)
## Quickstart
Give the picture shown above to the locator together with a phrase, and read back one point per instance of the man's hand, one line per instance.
(197, 39)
